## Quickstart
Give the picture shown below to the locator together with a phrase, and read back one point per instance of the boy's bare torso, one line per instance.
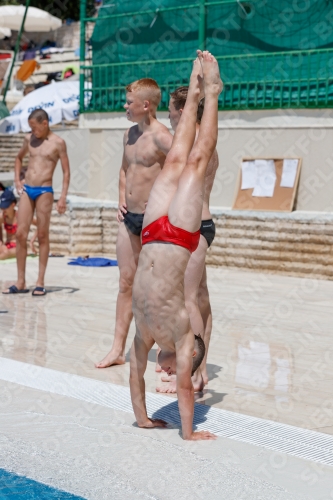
(144, 162)
(43, 158)
(158, 293)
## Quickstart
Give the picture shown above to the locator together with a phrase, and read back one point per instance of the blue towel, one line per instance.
(92, 261)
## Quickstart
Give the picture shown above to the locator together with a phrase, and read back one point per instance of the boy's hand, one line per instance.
(201, 435)
(153, 422)
(32, 246)
(144, 211)
(19, 187)
(61, 205)
(122, 210)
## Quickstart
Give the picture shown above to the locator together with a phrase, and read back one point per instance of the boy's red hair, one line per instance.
(148, 88)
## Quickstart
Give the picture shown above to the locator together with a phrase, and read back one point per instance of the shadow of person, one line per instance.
(213, 371)
(133, 135)
(215, 397)
(170, 413)
(51, 289)
(152, 355)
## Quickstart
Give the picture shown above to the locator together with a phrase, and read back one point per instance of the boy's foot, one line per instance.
(111, 359)
(39, 291)
(211, 73)
(204, 375)
(196, 81)
(14, 289)
(171, 388)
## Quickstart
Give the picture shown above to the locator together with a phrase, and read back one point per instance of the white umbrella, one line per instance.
(37, 20)
(5, 32)
(59, 99)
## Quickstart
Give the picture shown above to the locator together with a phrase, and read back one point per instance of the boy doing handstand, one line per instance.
(171, 232)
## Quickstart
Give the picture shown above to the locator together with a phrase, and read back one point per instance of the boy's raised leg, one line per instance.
(186, 206)
(166, 184)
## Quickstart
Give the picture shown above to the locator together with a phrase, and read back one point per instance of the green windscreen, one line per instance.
(271, 54)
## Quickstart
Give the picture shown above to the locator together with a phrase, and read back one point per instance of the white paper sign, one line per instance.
(266, 178)
(249, 174)
(289, 172)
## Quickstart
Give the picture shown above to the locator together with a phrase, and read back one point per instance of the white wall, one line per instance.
(95, 158)
(78, 147)
(95, 152)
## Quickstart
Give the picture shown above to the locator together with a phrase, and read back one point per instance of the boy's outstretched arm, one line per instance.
(32, 242)
(185, 391)
(138, 364)
(18, 164)
(61, 205)
(122, 207)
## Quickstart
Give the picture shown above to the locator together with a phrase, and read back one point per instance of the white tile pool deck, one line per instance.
(271, 357)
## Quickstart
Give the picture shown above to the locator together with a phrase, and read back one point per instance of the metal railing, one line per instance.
(290, 79)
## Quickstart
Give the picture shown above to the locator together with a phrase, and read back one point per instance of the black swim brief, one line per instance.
(207, 229)
(134, 222)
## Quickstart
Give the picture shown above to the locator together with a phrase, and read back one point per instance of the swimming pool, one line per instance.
(13, 487)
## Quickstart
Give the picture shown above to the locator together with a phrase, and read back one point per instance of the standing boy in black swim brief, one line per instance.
(146, 145)
(45, 149)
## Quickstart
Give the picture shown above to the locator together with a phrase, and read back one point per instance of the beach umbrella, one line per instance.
(18, 17)
(5, 32)
(59, 99)
(11, 17)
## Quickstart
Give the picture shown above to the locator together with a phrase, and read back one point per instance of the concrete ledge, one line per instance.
(296, 244)
(79, 202)
(258, 215)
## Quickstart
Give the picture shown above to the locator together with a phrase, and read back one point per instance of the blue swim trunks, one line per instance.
(34, 191)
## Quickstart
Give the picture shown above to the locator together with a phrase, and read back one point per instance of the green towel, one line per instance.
(7, 261)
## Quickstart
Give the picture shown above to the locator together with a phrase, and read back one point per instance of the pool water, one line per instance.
(17, 487)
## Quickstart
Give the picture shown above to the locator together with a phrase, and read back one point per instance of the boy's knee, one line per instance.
(195, 158)
(125, 283)
(173, 156)
(191, 302)
(21, 235)
(42, 236)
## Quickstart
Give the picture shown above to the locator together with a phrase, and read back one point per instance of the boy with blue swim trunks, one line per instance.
(45, 149)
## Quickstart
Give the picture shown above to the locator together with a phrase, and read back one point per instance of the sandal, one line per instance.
(39, 289)
(13, 289)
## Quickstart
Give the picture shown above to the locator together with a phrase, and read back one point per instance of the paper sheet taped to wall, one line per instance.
(249, 174)
(265, 178)
(289, 172)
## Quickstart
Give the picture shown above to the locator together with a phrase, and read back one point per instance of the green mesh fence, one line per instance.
(271, 54)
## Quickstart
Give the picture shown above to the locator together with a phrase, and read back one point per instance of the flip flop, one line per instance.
(13, 289)
(39, 289)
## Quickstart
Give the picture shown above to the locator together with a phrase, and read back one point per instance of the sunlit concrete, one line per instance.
(271, 351)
